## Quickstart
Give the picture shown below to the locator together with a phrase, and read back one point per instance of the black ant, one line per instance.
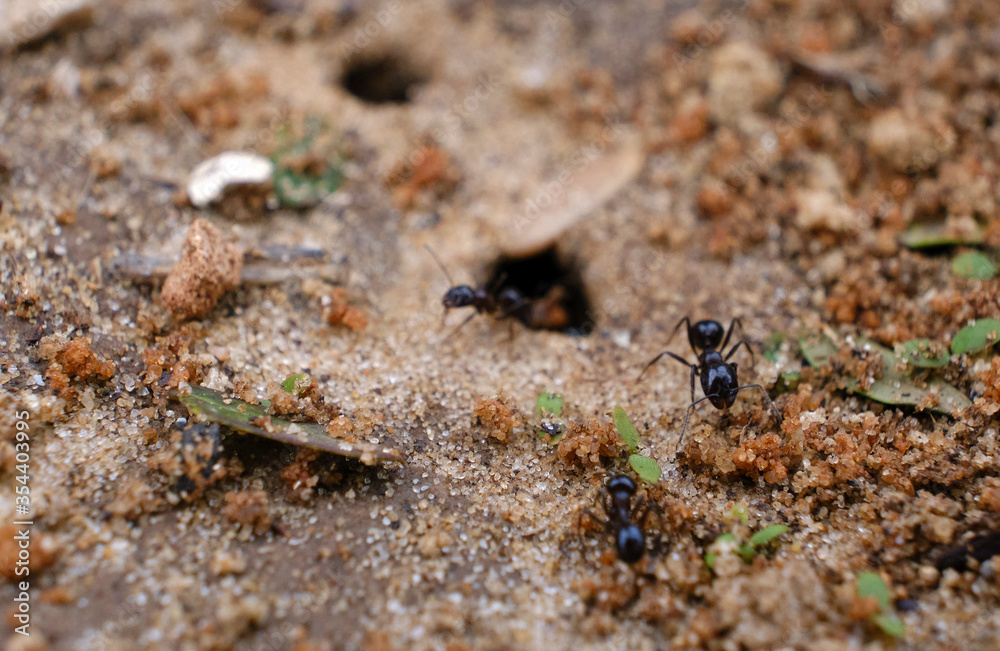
(490, 300)
(624, 519)
(719, 381)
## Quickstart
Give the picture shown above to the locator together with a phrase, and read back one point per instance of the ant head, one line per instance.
(719, 381)
(621, 484)
(460, 296)
(630, 543)
(706, 335)
(723, 400)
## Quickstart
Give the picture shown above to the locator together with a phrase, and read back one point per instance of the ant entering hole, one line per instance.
(386, 78)
(554, 289)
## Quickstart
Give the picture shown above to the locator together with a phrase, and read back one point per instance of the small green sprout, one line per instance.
(625, 428)
(725, 543)
(745, 550)
(974, 265)
(303, 177)
(871, 584)
(296, 384)
(549, 404)
(767, 534)
(976, 338)
(740, 512)
(647, 469)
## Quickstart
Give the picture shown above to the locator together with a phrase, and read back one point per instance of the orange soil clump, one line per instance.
(208, 268)
(585, 443)
(249, 508)
(497, 416)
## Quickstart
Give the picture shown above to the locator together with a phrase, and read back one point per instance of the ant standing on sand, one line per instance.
(624, 520)
(719, 381)
(491, 300)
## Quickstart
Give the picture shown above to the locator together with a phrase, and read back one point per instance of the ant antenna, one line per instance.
(440, 264)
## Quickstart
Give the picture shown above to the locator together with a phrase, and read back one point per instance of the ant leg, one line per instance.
(769, 402)
(732, 324)
(678, 327)
(605, 502)
(648, 507)
(640, 510)
(439, 263)
(494, 287)
(460, 326)
(732, 351)
(686, 417)
(694, 372)
(668, 354)
(593, 517)
(742, 341)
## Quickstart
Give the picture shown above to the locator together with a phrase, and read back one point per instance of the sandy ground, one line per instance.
(783, 149)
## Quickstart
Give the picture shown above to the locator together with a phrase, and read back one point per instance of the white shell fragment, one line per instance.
(23, 22)
(210, 179)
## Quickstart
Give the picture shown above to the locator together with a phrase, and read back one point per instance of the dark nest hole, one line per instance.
(557, 298)
(386, 78)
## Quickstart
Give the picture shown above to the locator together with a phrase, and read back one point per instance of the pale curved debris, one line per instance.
(210, 178)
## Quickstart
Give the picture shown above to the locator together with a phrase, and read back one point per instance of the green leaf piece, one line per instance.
(927, 236)
(767, 534)
(773, 346)
(254, 419)
(924, 353)
(647, 469)
(625, 429)
(298, 185)
(296, 384)
(787, 381)
(871, 584)
(974, 265)
(890, 623)
(975, 338)
(896, 389)
(746, 552)
(739, 512)
(299, 190)
(549, 403)
(817, 350)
